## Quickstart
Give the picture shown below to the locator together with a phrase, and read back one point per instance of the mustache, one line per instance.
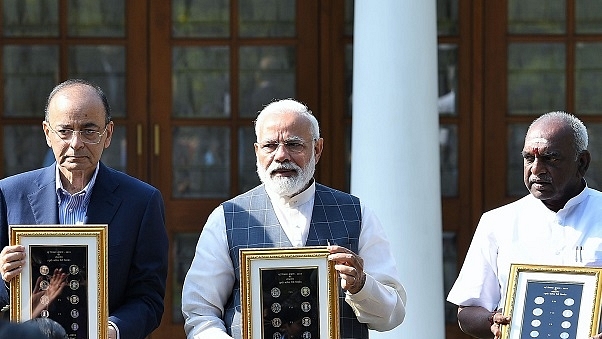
(283, 166)
(538, 180)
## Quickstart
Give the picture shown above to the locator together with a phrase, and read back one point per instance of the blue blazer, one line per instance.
(138, 244)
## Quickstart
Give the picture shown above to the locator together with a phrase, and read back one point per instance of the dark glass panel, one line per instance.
(200, 18)
(96, 18)
(201, 162)
(201, 82)
(30, 72)
(267, 18)
(267, 73)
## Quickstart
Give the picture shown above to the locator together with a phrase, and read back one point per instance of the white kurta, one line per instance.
(527, 232)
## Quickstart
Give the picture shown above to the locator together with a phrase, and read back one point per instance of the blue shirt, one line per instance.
(73, 207)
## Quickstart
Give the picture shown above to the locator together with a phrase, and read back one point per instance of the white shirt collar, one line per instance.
(576, 199)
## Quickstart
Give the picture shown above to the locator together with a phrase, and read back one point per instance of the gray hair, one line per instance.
(79, 82)
(289, 106)
(579, 131)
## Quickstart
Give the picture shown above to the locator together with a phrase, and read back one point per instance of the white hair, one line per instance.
(580, 137)
(288, 106)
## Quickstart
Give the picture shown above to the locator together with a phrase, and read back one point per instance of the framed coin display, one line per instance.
(288, 293)
(64, 277)
(552, 302)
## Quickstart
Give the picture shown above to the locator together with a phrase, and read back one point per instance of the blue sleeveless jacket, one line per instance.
(252, 223)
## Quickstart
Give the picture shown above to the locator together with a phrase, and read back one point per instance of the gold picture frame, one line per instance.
(289, 289)
(553, 301)
(64, 277)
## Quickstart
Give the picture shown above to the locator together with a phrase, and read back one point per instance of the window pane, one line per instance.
(447, 17)
(183, 247)
(516, 140)
(103, 65)
(116, 155)
(448, 81)
(30, 73)
(247, 168)
(536, 78)
(25, 149)
(536, 16)
(201, 82)
(33, 18)
(588, 72)
(266, 73)
(588, 16)
(594, 173)
(267, 18)
(201, 162)
(201, 18)
(96, 18)
(448, 150)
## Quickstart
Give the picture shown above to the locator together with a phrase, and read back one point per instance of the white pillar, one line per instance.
(395, 149)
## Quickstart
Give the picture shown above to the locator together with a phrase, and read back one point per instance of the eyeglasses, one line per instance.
(293, 147)
(87, 136)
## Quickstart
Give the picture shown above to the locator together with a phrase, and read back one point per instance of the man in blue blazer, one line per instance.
(79, 189)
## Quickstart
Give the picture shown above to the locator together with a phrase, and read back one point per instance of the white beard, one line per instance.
(287, 186)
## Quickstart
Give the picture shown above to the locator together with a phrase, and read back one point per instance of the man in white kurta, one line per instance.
(527, 232)
(559, 223)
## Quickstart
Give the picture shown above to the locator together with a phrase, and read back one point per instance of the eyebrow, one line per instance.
(293, 138)
(84, 126)
(544, 154)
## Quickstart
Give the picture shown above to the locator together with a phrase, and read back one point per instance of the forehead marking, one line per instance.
(539, 140)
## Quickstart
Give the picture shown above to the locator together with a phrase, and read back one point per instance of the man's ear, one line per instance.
(318, 148)
(583, 160)
(46, 133)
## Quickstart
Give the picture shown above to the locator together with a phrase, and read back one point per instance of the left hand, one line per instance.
(350, 267)
(597, 336)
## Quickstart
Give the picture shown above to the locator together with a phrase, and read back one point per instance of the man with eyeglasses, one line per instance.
(79, 189)
(290, 209)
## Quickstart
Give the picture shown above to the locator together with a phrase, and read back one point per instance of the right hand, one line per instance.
(12, 259)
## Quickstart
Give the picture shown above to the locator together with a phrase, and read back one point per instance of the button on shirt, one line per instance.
(73, 207)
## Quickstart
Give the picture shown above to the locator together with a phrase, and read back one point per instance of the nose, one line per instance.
(538, 167)
(281, 153)
(76, 140)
